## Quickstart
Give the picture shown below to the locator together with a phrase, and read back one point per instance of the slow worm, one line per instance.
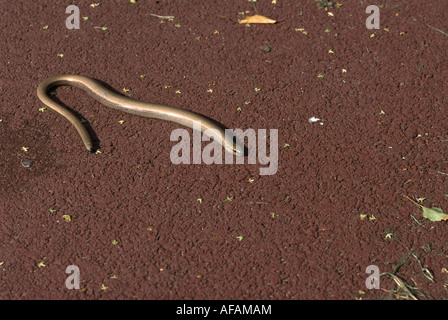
(149, 110)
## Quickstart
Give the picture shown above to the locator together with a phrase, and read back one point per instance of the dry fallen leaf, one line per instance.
(433, 214)
(257, 19)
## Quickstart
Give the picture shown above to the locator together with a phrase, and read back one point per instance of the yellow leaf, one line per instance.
(301, 30)
(256, 19)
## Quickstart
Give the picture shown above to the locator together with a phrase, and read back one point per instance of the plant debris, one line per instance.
(433, 214)
(256, 19)
(323, 4)
(265, 49)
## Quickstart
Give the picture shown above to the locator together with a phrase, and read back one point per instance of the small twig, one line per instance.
(402, 262)
(413, 201)
(418, 222)
(425, 271)
(257, 202)
(437, 29)
(255, 8)
(402, 285)
(162, 17)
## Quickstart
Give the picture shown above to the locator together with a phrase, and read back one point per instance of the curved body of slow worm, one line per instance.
(119, 102)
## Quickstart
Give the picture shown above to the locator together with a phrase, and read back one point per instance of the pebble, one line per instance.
(26, 164)
(265, 49)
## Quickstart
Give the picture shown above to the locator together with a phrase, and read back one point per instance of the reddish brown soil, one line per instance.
(137, 230)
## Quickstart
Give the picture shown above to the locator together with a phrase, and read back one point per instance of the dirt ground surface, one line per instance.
(138, 226)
